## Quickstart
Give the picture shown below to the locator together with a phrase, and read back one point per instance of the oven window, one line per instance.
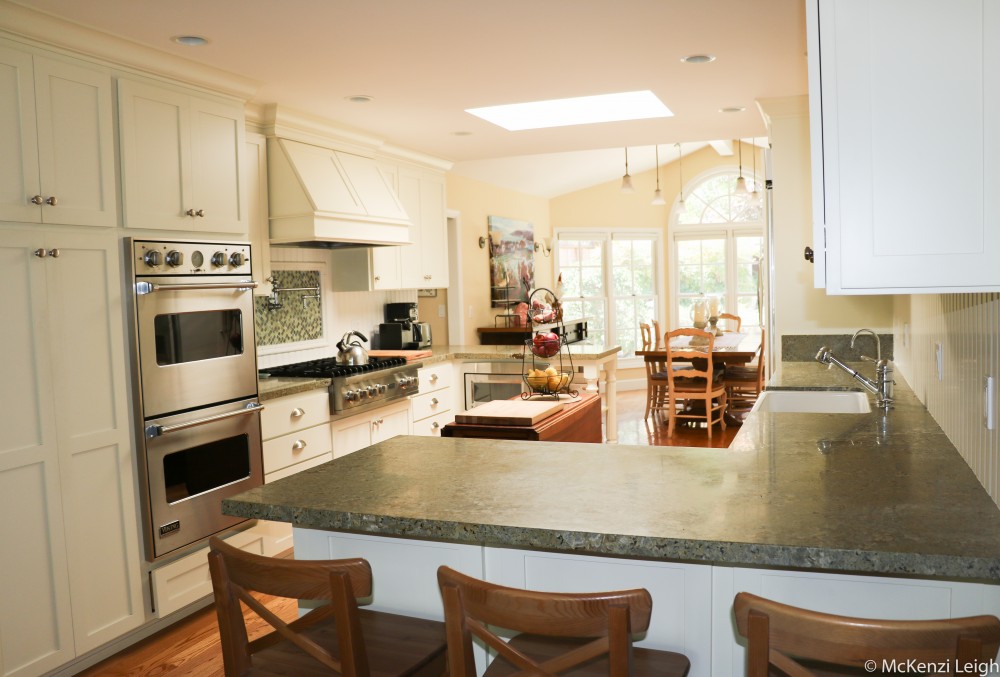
(205, 335)
(193, 471)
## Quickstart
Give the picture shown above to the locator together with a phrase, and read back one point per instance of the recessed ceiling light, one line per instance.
(582, 110)
(733, 109)
(190, 40)
(698, 58)
(359, 98)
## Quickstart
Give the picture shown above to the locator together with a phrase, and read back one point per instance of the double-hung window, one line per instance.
(611, 278)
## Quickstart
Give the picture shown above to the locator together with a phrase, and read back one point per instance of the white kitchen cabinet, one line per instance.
(434, 406)
(425, 264)
(72, 578)
(296, 432)
(57, 166)
(181, 159)
(905, 140)
(255, 177)
(357, 432)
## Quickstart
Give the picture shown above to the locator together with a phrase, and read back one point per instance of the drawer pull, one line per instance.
(434, 402)
(298, 412)
(434, 378)
(298, 445)
(435, 425)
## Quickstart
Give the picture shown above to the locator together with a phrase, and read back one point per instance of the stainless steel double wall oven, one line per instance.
(194, 368)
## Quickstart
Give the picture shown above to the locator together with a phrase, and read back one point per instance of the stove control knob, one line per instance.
(219, 259)
(372, 391)
(350, 395)
(153, 258)
(382, 388)
(237, 259)
(174, 258)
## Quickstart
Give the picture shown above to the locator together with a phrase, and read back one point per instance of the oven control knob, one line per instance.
(174, 258)
(153, 258)
(350, 395)
(237, 259)
(219, 259)
(372, 391)
(382, 388)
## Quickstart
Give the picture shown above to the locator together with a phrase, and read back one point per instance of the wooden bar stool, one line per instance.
(336, 637)
(572, 633)
(799, 642)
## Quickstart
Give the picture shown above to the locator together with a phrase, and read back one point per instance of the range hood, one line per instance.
(319, 197)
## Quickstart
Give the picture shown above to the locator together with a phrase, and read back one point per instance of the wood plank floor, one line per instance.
(191, 647)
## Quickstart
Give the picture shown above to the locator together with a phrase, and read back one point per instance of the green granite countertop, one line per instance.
(833, 492)
(273, 387)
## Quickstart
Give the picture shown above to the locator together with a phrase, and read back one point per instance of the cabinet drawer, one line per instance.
(294, 412)
(296, 447)
(435, 377)
(431, 426)
(298, 467)
(431, 404)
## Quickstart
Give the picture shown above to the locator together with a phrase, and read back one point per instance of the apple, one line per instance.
(545, 344)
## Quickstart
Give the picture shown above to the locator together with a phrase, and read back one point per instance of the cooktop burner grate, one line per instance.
(329, 368)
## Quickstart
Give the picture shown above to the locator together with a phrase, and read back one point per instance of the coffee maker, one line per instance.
(401, 329)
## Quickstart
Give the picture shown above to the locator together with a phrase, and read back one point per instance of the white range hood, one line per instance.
(319, 197)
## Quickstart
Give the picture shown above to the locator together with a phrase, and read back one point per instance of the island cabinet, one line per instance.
(881, 92)
(56, 121)
(71, 557)
(181, 159)
(363, 430)
(437, 401)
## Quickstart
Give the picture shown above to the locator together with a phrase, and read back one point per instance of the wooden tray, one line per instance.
(509, 412)
(410, 355)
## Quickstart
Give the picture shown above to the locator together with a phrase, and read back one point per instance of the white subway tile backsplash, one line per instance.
(967, 327)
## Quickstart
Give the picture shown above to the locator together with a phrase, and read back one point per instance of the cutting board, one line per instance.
(509, 412)
(410, 355)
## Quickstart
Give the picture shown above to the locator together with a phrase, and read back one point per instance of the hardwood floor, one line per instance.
(191, 647)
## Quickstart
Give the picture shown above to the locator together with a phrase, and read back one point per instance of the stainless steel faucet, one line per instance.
(881, 387)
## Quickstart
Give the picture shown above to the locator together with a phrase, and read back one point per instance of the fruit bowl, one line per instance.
(545, 344)
(537, 382)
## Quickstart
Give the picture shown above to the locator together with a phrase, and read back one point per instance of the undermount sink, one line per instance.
(813, 402)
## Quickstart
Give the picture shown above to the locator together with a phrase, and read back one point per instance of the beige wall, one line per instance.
(475, 201)
(800, 308)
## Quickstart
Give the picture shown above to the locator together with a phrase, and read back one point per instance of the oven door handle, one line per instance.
(158, 430)
(143, 288)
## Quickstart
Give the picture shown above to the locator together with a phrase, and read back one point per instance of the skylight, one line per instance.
(581, 110)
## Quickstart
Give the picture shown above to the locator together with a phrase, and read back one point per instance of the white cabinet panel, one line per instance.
(432, 404)
(357, 432)
(283, 415)
(431, 427)
(296, 447)
(19, 161)
(877, 86)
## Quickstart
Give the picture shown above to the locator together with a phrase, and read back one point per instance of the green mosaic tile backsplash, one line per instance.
(297, 319)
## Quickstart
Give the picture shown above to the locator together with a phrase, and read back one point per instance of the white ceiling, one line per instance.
(425, 61)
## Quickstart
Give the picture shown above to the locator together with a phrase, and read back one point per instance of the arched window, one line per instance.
(718, 247)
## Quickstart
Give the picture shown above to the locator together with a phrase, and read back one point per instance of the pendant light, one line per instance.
(755, 198)
(741, 183)
(627, 180)
(658, 196)
(679, 205)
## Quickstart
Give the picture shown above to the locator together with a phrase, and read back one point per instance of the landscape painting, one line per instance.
(512, 260)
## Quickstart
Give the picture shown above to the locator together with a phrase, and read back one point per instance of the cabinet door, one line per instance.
(258, 225)
(386, 263)
(95, 455)
(887, 94)
(19, 159)
(36, 633)
(425, 264)
(217, 193)
(390, 424)
(350, 435)
(75, 143)
(154, 128)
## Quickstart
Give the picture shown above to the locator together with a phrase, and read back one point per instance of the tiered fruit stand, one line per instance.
(547, 364)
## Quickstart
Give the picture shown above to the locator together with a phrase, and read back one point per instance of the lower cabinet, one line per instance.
(434, 406)
(364, 430)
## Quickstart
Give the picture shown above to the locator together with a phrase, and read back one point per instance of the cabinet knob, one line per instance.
(298, 445)
(434, 378)
(190, 212)
(298, 412)
(378, 278)
(36, 199)
(427, 277)
(808, 253)
(434, 401)
(51, 200)
(40, 253)
(200, 212)
(54, 253)
(435, 425)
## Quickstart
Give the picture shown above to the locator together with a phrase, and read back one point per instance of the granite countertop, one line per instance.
(834, 492)
(274, 387)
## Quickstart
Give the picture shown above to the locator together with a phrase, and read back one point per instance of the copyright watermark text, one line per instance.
(914, 666)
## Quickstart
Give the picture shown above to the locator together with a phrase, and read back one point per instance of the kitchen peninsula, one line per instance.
(850, 513)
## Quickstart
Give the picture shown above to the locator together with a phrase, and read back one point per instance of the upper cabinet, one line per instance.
(181, 159)
(57, 166)
(425, 264)
(905, 124)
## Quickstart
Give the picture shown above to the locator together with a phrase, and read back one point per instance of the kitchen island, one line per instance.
(851, 513)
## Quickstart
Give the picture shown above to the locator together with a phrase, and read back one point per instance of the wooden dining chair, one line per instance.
(335, 637)
(799, 642)
(578, 634)
(744, 384)
(692, 377)
(731, 320)
(656, 371)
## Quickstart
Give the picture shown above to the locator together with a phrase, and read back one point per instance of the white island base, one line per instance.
(692, 603)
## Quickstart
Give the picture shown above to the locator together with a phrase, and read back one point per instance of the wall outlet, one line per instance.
(442, 310)
(939, 360)
(988, 400)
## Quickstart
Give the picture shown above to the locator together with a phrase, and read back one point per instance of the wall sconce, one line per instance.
(544, 245)
(482, 242)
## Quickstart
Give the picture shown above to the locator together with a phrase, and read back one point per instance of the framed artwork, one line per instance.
(512, 260)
